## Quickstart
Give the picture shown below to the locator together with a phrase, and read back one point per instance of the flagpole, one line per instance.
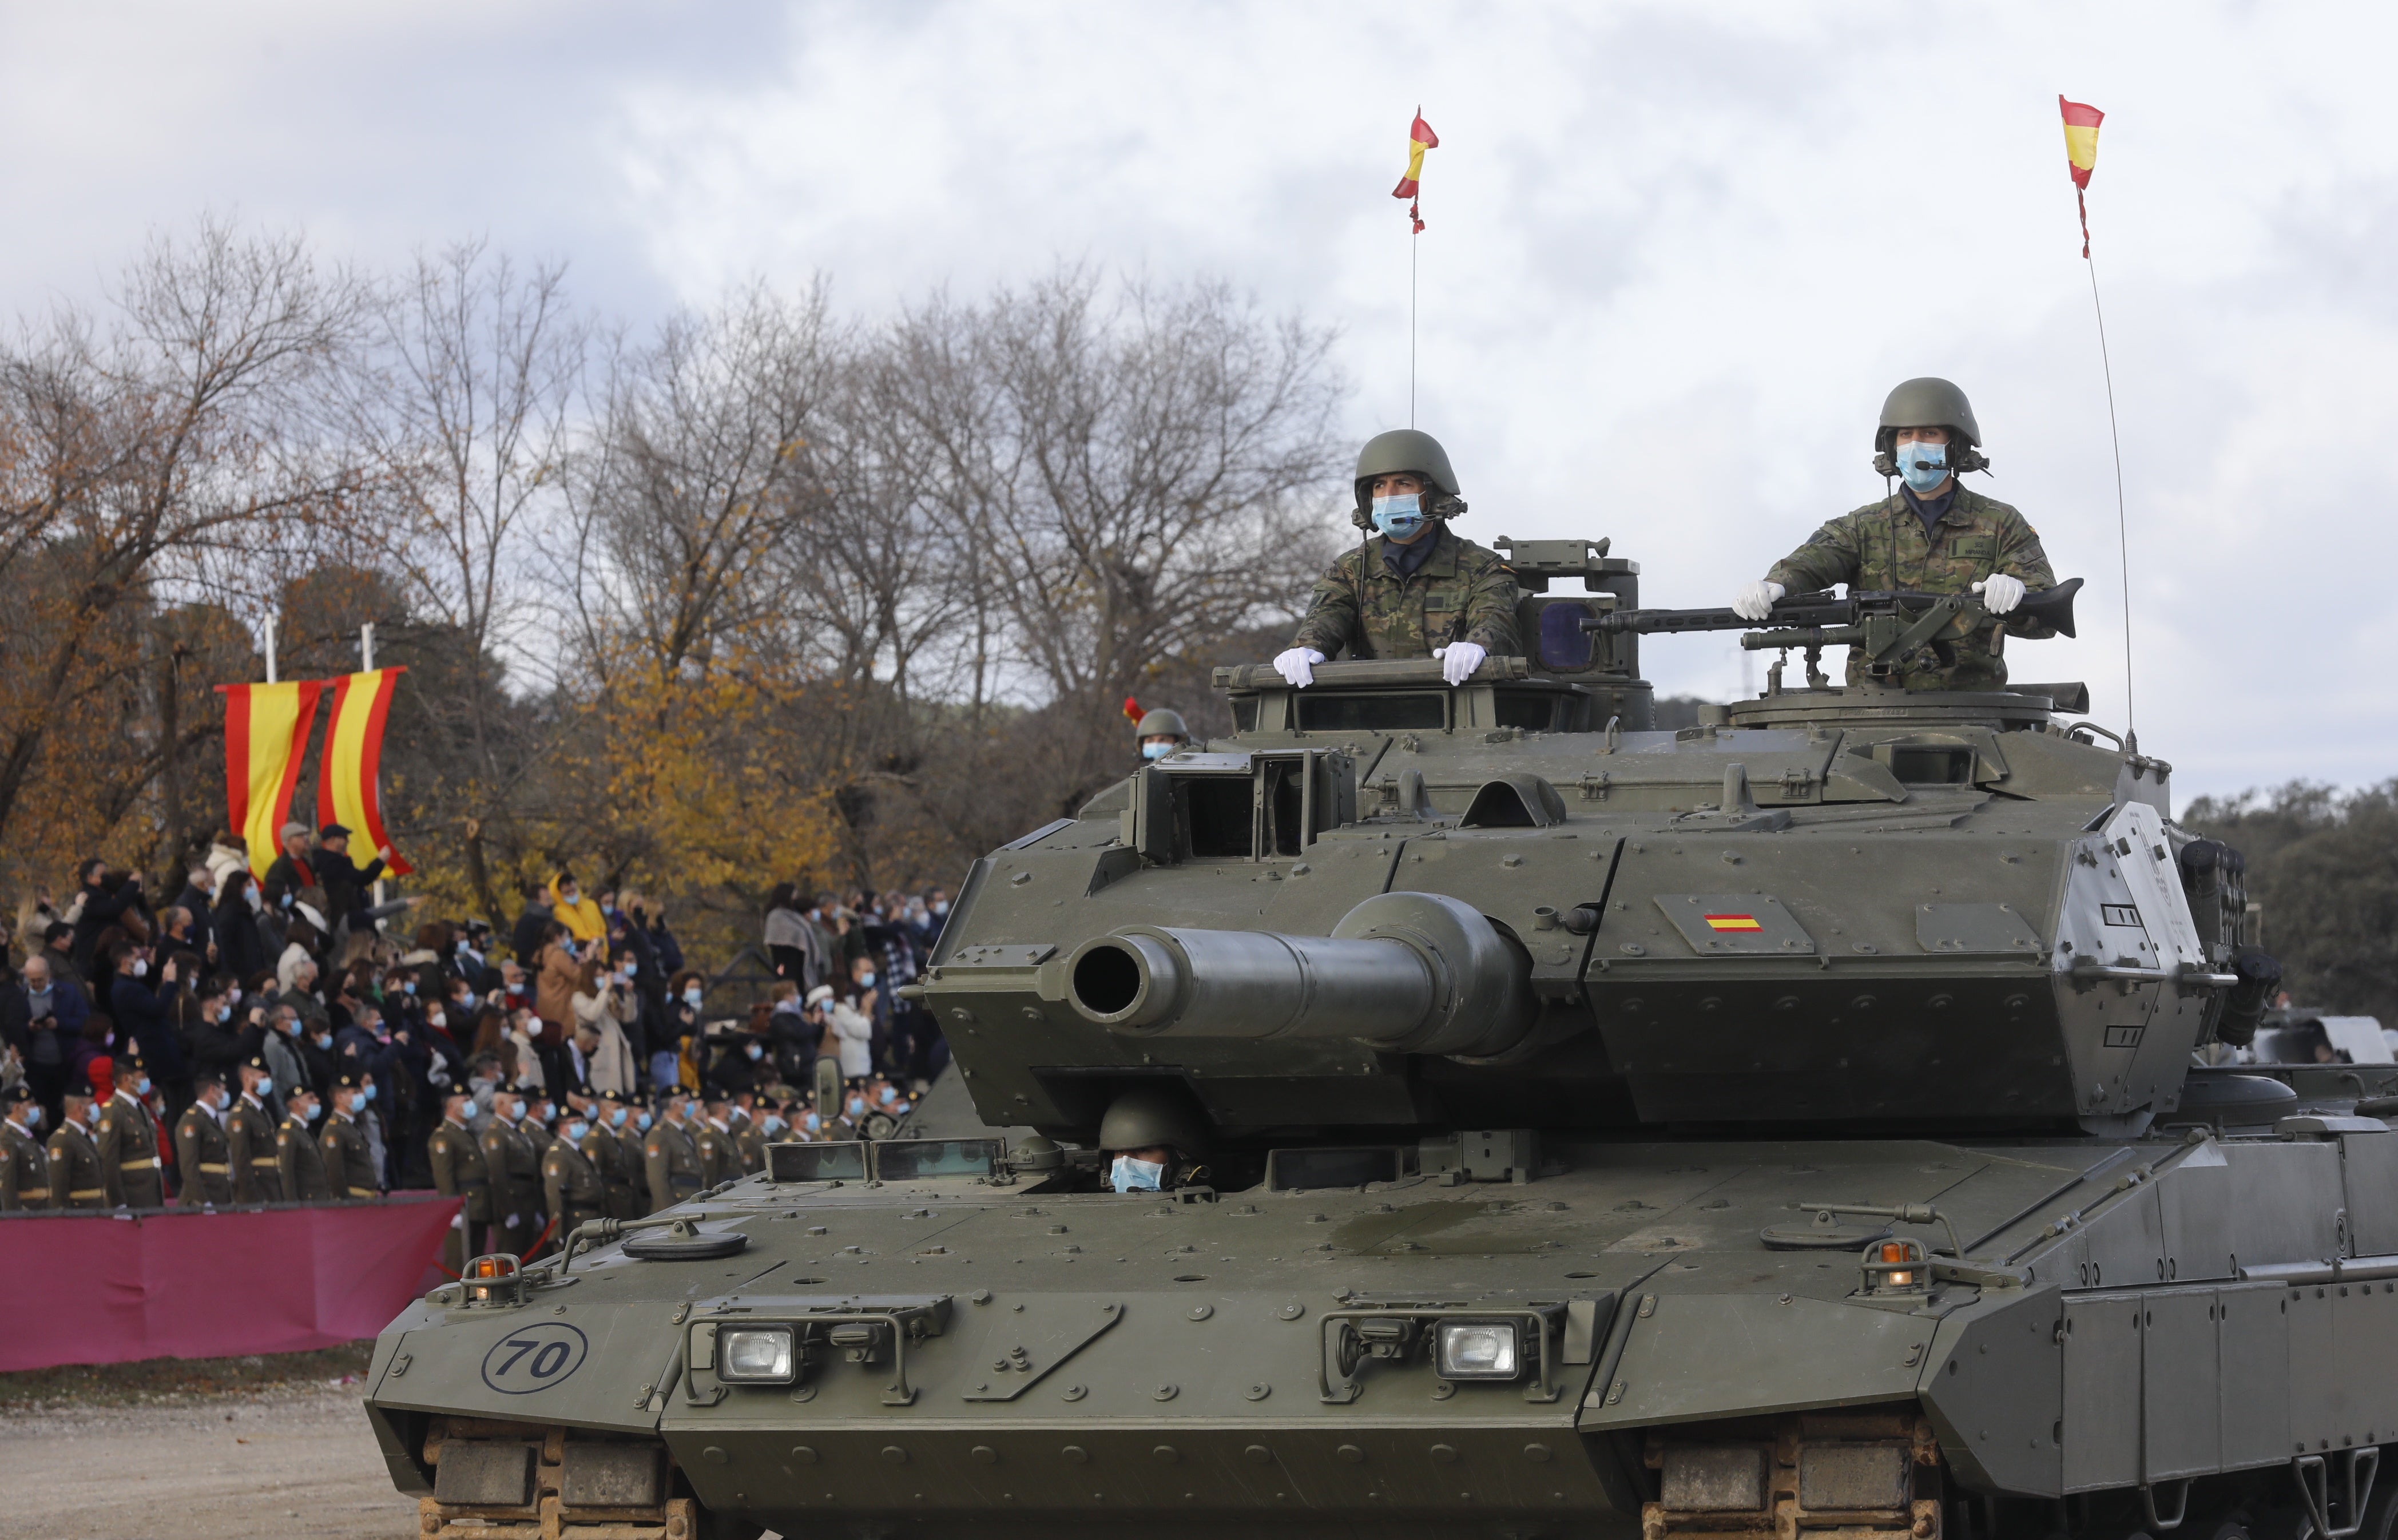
(2123, 533)
(1413, 237)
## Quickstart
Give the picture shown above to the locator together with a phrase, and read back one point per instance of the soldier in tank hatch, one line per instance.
(1160, 732)
(1410, 587)
(1151, 1143)
(1932, 535)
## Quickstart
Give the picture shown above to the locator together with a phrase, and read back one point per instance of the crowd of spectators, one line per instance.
(132, 1022)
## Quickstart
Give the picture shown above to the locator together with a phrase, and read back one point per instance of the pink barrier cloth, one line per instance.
(200, 1285)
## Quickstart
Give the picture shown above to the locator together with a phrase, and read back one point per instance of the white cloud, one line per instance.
(1676, 253)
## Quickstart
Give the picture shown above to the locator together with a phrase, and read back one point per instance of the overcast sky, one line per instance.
(1676, 253)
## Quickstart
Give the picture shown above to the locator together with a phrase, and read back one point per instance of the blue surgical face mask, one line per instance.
(616, 1117)
(142, 1087)
(1137, 1176)
(323, 1039)
(1399, 516)
(366, 1094)
(1930, 473)
(408, 987)
(865, 980)
(1157, 750)
(890, 1094)
(773, 1124)
(813, 1122)
(574, 1132)
(32, 1115)
(691, 997)
(644, 1124)
(756, 1052)
(856, 1106)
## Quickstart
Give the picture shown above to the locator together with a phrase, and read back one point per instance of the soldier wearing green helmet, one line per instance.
(1931, 535)
(1160, 732)
(1410, 587)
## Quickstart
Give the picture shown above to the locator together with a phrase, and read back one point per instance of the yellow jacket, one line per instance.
(581, 918)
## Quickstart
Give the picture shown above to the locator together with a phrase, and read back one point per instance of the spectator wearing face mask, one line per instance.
(740, 1067)
(219, 1042)
(686, 1019)
(233, 923)
(787, 937)
(853, 1031)
(579, 914)
(792, 1039)
(144, 1015)
(42, 1016)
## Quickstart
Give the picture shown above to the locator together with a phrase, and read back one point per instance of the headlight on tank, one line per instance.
(754, 1355)
(1478, 1350)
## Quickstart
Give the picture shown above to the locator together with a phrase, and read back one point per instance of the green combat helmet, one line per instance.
(1159, 724)
(1405, 451)
(1928, 401)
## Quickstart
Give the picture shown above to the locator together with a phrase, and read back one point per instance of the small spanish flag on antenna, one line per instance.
(1132, 710)
(1419, 139)
(2081, 122)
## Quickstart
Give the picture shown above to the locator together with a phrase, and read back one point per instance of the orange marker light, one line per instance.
(1893, 1250)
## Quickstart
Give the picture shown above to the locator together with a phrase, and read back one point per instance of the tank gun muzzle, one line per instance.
(1406, 972)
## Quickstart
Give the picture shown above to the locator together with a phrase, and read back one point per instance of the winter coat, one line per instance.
(855, 1032)
(611, 1064)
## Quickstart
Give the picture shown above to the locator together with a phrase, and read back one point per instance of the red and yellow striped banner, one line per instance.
(347, 777)
(266, 729)
(2081, 122)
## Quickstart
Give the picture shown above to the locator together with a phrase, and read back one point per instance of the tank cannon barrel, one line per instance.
(1408, 972)
(2051, 607)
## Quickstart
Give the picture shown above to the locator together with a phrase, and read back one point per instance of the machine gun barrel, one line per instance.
(1409, 972)
(2051, 607)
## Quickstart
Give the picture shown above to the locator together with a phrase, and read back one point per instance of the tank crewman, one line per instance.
(747, 1137)
(1151, 1143)
(203, 1153)
(1411, 587)
(514, 1173)
(250, 1138)
(127, 1138)
(630, 1124)
(457, 1162)
(299, 1163)
(720, 1156)
(1160, 732)
(1932, 535)
(668, 1157)
(74, 1156)
(608, 1157)
(25, 1165)
(571, 1188)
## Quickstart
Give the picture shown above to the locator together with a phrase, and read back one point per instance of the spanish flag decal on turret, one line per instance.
(1732, 922)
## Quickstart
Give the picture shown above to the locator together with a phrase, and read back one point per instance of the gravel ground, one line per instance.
(284, 1459)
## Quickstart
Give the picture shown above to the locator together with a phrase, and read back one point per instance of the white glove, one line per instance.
(1999, 593)
(1298, 665)
(1459, 659)
(1755, 601)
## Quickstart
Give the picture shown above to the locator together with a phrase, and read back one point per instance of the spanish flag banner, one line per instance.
(2081, 122)
(347, 790)
(1419, 139)
(267, 730)
(1132, 710)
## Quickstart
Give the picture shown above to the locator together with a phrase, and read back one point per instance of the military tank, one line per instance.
(1533, 1124)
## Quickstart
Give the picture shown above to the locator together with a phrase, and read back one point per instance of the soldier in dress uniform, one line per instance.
(203, 1153)
(668, 1157)
(250, 1138)
(719, 1157)
(629, 1124)
(747, 1137)
(298, 1164)
(514, 1173)
(535, 1126)
(571, 1188)
(25, 1165)
(75, 1157)
(349, 1160)
(457, 1161)
(128, 1139)
(606, 1153)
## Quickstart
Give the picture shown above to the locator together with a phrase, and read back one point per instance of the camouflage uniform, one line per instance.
(1883, 546)
(1461, 593)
